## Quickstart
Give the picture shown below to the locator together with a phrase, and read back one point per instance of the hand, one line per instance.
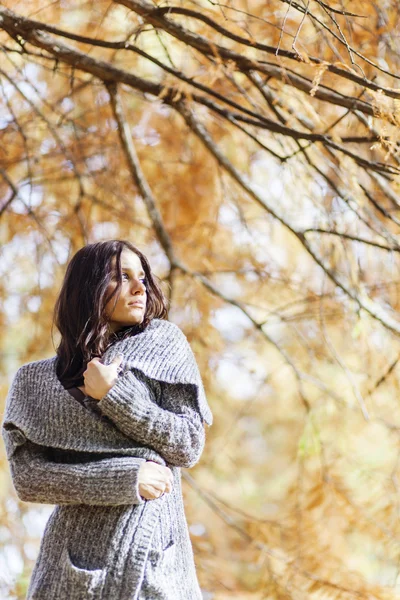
(100, 378)
(154, 480)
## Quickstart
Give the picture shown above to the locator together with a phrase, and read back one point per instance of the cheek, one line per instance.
(120, 304)
(112, 305)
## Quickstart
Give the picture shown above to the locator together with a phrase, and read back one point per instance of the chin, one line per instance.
(136, 321)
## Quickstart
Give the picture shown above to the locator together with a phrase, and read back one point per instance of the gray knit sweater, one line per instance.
(103, 541)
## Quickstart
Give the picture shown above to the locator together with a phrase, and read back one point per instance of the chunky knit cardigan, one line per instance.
(103, 541)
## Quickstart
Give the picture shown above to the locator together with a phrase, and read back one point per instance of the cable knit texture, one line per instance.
(103, 541)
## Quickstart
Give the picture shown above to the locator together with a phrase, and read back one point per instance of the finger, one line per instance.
(156, 489)
(150, 491)
(95, 360)
(168, 484)
(117, 360)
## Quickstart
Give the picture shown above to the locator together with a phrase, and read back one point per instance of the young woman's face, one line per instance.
(133, 290)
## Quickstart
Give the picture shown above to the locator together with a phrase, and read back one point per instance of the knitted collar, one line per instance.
(40, 408)
(162, 352)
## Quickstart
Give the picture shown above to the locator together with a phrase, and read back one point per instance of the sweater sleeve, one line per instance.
(38, 476)
(175, 431)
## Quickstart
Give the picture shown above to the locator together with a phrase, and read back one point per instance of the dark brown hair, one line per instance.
(79, 312)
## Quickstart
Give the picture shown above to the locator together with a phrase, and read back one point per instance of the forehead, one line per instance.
(130, 260)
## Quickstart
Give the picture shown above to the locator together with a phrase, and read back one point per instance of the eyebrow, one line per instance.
(131, 270)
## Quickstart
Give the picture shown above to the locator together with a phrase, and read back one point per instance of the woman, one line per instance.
(102, 430)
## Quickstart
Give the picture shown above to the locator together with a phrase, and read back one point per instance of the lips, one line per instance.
(137, 304)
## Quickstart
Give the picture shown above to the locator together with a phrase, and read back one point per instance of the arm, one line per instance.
(38, 478)
(177, 434)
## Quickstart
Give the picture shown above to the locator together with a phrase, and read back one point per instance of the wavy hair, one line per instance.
(79, 312)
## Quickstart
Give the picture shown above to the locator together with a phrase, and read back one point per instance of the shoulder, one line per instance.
(167, 333)
(163, 332)
(161, 342)
(38, 365)
(34, 369)
(164, 326)
(30, 377)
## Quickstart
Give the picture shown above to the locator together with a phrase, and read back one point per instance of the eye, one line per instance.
(125, 277)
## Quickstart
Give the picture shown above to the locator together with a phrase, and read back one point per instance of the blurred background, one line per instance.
(251, 150)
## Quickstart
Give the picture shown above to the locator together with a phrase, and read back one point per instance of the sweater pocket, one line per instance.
(168, 557)
(160, 574)
(77, 582)
(163, 558)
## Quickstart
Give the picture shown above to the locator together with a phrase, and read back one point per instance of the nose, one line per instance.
(138, 286)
